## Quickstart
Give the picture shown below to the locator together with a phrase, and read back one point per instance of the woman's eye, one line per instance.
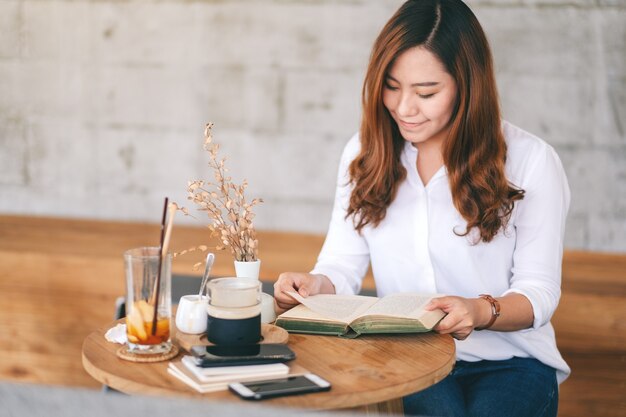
(389, 87)
(426, 95)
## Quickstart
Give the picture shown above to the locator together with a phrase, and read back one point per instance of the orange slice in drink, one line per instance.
(135, 324)
(146, 310)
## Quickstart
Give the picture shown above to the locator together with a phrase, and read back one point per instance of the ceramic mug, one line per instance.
(191, 316)
(234, 311)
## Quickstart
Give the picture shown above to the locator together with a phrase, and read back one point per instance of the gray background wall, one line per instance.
(103, 102)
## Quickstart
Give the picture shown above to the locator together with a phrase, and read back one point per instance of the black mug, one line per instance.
(234, 332)
(234, 311)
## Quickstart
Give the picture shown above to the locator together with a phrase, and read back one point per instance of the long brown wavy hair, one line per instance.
(474, 152)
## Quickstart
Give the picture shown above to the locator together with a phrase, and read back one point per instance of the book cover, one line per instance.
(215, 374)
(204, 383)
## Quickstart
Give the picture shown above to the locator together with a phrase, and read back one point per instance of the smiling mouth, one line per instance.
(410, 125)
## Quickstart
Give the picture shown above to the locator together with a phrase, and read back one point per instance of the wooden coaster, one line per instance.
(123, 353)
(269, 334)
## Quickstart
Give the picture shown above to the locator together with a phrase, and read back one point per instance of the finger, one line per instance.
(279, 310)
(282, 286)
(438, 303)
(458, 329)
(439, 328)
(282, 296)
(307, 285)
(461, 335)
(285, 299)
(449, 324)
(302, 285)
(446, 323)
(286, 305)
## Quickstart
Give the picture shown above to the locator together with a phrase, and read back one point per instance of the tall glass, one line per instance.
(147, 332)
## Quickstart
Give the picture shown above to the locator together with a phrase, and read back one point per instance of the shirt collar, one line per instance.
(409, 160)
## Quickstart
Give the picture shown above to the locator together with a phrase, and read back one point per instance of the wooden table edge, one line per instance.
(383, 401)
(120, 384)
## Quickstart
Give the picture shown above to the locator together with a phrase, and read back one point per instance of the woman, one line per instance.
(442, 196)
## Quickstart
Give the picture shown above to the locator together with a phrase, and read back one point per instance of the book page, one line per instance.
(343, 308)
(302, 312)
(402, 305)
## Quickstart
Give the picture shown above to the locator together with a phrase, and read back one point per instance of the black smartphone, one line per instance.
(220, 355)
(291, 385)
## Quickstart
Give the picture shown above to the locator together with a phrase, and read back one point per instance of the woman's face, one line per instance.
(420, 96)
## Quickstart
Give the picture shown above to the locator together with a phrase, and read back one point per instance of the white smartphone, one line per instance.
(291, 385)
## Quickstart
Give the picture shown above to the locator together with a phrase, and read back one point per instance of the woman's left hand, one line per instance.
(463, 315)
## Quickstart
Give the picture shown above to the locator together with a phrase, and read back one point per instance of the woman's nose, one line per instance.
(407, 105)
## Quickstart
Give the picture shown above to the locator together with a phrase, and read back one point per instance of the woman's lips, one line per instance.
(409, 125)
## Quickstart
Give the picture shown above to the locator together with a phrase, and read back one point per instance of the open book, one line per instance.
(352, 315)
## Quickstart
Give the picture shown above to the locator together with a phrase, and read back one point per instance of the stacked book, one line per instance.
(213, 379)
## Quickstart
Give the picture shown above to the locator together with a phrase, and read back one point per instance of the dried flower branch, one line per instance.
(225, 204)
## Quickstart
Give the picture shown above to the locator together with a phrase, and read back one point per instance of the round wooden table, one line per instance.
(369, 373)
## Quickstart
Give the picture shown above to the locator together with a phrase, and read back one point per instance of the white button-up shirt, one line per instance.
(415, 249)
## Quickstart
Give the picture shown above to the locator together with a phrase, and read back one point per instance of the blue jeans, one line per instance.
(517, 387)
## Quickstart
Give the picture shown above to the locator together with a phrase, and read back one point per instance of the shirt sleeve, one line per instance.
(540, 226)
(344, 257)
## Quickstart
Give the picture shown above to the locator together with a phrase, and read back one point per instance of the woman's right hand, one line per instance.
(301, 282)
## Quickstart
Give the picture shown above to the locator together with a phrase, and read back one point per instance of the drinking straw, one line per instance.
(171, 211)
(158, 282)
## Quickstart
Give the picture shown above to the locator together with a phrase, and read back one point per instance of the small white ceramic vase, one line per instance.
(251, 269)
(248, 269)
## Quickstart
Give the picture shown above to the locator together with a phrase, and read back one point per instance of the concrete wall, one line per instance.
(103, 102)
